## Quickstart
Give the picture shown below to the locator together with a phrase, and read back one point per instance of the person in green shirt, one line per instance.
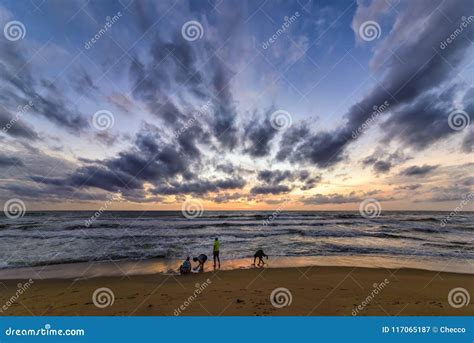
(215, 252)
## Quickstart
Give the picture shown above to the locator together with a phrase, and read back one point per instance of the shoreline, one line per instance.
(93, 269)
(313, 291)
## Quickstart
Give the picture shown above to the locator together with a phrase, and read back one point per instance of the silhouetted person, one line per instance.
(201, 259)
(185, 267)
(215, 252)
(260, 255)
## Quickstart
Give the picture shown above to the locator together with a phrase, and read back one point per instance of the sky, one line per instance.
(249, 105)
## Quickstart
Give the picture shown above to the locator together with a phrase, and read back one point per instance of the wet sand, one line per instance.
(317, 290)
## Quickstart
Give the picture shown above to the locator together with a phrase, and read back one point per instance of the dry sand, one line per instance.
(314, 291)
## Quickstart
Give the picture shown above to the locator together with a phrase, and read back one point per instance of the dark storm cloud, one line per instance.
(172, 67)
(274, 177)
(411, 70)
(418, 170)
(150, 160)
(227, 168)
(18, 79)
(93, 176)
(383, 162)
(226, 197)
(8, 161)
(422, 123)
(310, 183)
(272, 189)
(51, 193)
(258, 136)
(225, 112)
(323, 149)
(290, 139)
(200, 187)
(14, 126)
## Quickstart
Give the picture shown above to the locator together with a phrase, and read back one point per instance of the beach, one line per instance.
(301, 291)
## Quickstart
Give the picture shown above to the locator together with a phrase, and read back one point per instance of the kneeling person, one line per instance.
(201, 259)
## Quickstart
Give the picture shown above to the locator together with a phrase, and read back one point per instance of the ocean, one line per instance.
(422, 238)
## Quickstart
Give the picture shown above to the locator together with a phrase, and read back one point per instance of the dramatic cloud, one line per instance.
(405, 78)
(383, 162)
(276, 189)
(8, 161)
(418, 170)
(194, 117)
